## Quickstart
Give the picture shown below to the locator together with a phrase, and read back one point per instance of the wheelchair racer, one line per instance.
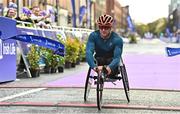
(105, 46)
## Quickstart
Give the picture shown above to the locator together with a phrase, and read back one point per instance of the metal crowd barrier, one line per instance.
(62, 28)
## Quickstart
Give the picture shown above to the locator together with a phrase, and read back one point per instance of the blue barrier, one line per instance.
(7, 50)
(172, 51)
(26, 31)
(57, 47)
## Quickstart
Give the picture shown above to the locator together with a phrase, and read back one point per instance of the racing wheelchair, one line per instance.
(100, 78)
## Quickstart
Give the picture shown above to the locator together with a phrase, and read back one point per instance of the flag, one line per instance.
(82, 12)
(26, 11)
(43, 13)
(130, 23)
(88, 13)
(74, 12)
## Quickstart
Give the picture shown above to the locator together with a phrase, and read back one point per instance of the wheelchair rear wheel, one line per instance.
(87, 85)
(126, 77)
(100, 85)
(125, 81)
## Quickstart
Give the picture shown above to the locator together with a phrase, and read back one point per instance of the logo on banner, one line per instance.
(7, 49)
(56, 46)
(172, 51)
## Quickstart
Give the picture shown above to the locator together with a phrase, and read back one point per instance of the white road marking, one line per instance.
(21, 94)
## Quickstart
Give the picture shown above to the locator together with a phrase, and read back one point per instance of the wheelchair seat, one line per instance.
(115, 75)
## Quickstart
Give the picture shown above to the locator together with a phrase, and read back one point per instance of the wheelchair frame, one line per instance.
(100, 79)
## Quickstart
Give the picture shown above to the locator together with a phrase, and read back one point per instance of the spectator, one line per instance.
(12, 11)
(38, 18)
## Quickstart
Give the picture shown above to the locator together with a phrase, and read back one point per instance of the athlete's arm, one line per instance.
(117, 53)
(90, 51)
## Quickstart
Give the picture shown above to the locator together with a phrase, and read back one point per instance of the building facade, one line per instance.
(119, 12)
(64, 11)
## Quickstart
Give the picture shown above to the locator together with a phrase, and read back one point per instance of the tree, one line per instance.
(158, 26)
(141, 29)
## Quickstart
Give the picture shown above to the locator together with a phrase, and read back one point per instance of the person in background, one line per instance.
(12, 11)
(38, 18)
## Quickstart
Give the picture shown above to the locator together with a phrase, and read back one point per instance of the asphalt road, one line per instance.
(28, 96)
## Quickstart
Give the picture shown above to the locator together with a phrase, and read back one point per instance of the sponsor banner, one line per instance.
(7, 50)
(172, 51)
(57, 47)
(44, 38)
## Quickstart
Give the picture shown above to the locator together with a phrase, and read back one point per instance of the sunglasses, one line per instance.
(104, 27)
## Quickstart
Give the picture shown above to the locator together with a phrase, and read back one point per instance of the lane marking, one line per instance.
(21, 94)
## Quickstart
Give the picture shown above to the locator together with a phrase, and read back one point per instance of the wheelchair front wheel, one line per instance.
(87, 85)
(100, 85)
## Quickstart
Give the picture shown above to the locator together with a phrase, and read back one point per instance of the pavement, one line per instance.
(144, 71)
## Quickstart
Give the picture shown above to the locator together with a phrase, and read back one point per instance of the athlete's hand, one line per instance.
(108, 70)
(98, 68)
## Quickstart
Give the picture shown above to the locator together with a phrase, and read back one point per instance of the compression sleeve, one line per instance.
(117, 54)
(90, 46)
